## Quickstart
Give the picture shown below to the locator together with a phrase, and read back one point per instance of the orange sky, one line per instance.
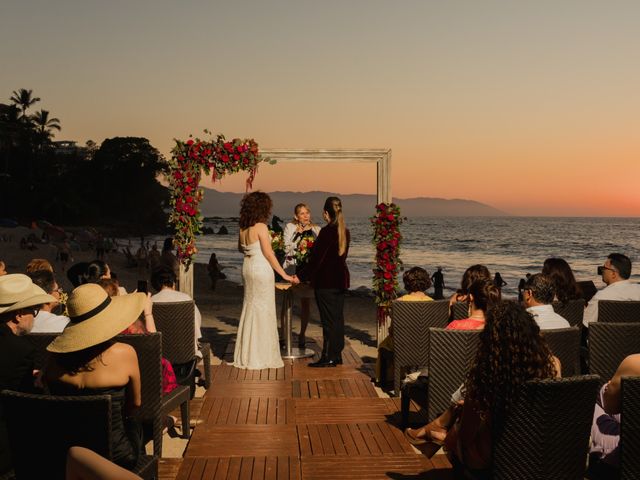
(529, 107)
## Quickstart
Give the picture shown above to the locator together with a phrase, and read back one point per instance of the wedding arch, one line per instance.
(219, 157)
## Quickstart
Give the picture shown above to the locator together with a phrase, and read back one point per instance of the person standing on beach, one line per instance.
(300, 231)
(327, 270)
(438, 284)
(257, 344)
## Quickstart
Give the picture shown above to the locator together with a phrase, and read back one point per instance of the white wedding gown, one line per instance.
(257, 343)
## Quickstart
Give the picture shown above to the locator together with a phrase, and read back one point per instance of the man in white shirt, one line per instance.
(537, 296)
(615, 273)
(46, 321)
(163, 281)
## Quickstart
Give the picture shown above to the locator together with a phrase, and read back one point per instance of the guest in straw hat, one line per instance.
(87, 361)
(20, 300)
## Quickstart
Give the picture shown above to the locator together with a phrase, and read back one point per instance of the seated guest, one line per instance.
(416, 281)
(471, 274)
(87, 361)
(144, 324)
(604, 457)
(19, 303)
(615, 273)
(85, 464)
(3, 268)
(511, 351)
(38, 264)
(564, 282)
(481, 295)
(537, 295)
(163, 281)
(46, 321)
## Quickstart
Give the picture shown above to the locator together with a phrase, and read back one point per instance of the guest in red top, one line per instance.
(327, 270)
(483, 294)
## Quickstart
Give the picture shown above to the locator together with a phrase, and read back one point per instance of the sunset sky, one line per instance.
(532, 107)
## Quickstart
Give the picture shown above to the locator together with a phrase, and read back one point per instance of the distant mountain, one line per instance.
(223, 204)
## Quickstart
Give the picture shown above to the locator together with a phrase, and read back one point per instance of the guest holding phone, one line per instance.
(327, 270)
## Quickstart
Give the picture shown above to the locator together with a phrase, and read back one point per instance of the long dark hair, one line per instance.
(511, 351)
(73, 363)
(255, 207)
(471, 274)
(333, 207)
(564, 282)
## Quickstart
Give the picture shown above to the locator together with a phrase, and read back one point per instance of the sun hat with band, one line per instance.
(17, 291)
(96, 317)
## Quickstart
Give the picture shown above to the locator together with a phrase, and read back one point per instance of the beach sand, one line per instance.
(220, 308)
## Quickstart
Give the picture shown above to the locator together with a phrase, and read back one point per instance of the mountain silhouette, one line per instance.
(224, 204)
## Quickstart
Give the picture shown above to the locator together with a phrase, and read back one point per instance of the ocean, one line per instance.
(512, 246)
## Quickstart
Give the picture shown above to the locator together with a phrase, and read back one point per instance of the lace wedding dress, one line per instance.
(257, 343)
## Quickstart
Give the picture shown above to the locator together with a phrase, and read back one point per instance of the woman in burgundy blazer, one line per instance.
(327, 270)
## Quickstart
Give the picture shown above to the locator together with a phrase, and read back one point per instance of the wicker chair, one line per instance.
(546, 433)
(572, 311)
(176, 322)
(42, 428)
(460, 311)
(630, 429)
(411, 322)
(565, 344)
(451, 354)
(156, 406)
(609, 344)
(618, 311)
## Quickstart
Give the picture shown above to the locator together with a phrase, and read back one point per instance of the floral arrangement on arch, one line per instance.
(189, 160)
(386, 237)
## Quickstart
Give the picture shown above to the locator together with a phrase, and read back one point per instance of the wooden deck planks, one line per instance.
(298, 423)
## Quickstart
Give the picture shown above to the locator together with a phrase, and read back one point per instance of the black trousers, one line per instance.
(330, 303)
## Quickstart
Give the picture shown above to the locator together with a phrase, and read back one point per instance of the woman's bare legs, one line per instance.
(85, 464)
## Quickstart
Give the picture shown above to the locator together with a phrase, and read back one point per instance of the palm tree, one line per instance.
(25, 99)
(44, 125)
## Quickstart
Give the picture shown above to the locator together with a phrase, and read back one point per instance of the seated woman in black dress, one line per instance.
(86, 361)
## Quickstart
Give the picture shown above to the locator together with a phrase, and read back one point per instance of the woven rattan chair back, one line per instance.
(460, 311)
(410, 323)
(40, 341)
(546, 433)
(176, 322)
(451, 353)
(42, 428)
(618, 311)
(630, 429)
(572, 311)
(609, 344)
(565, 344)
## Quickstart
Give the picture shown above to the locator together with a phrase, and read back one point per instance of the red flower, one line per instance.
(390, 217)
(190, 142)
(387, 275)
(228, 146)
(225, 158)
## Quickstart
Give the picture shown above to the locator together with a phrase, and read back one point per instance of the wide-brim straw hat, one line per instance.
(18, 291)
(96, 317)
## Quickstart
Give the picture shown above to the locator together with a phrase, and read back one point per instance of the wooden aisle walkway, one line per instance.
(300, 423)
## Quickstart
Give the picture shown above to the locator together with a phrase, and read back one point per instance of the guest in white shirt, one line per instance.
(46, 321)
(615, 273)
(537, 296)
(163, 281)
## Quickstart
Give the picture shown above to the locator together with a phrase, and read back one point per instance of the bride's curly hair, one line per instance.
(511, 351)
(255, 207)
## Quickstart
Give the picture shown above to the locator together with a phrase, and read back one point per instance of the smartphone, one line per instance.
(142, 286)
(600, 270)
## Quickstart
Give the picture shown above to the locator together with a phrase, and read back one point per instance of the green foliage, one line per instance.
(115, 183)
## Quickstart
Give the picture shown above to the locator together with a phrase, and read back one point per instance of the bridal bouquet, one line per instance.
(304, 250)
(277, 242)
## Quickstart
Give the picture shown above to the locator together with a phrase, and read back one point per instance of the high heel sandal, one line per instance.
(427, 447)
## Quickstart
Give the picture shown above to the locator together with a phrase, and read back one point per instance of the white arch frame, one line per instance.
(382, 158)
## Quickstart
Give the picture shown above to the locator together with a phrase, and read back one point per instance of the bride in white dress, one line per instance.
(257, 344)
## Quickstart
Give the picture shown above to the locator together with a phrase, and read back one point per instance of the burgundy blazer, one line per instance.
(327, 269)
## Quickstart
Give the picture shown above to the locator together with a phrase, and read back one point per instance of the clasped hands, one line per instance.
(294, 280)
